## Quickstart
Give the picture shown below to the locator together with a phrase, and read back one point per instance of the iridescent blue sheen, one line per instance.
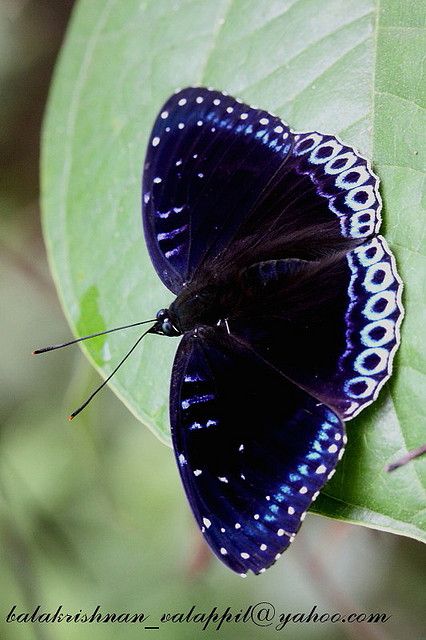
(290, 306)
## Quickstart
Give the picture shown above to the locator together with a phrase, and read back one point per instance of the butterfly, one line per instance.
(288, 303)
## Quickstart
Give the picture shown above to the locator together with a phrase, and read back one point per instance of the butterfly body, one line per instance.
(194, 307)
(288, 304)
(249, 287)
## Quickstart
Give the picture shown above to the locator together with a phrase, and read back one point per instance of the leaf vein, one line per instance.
(311, 46)
(405, 100)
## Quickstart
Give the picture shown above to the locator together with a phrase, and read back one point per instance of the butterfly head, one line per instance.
(164, 324)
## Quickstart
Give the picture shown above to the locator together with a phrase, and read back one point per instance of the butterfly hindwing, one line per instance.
(253, 449)
(331, 326)
(372, 319)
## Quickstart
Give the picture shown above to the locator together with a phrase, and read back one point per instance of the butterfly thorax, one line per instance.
(194, 306)
(244, 292)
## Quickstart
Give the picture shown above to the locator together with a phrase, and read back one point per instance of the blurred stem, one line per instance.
(320, 575)
(200, 555)
(92, 425)
(45, 516)
(21, 566)
(26, 268)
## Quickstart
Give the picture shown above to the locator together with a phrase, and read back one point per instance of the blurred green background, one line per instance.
(93, 512)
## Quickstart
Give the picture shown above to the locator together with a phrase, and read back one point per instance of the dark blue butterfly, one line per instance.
(288, 302)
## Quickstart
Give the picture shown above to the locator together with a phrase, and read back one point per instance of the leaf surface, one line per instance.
(353, 68)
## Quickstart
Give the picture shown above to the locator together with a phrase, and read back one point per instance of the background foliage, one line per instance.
(93, 512)
(350, 69)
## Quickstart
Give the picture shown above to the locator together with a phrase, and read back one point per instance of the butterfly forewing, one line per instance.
(253, 449)
(344, 178)
(218, 171)
(209, 159)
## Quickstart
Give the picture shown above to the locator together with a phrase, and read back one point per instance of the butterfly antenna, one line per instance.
(90, 398)
(92, 335)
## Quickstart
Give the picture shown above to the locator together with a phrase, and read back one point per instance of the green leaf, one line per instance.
(351, 67)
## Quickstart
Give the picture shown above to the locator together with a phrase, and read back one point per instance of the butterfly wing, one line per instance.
(219, 172)
(253, 450)
(226, 187)
(209, 159)
(338, 176)
(340, 318)
(331, 326)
